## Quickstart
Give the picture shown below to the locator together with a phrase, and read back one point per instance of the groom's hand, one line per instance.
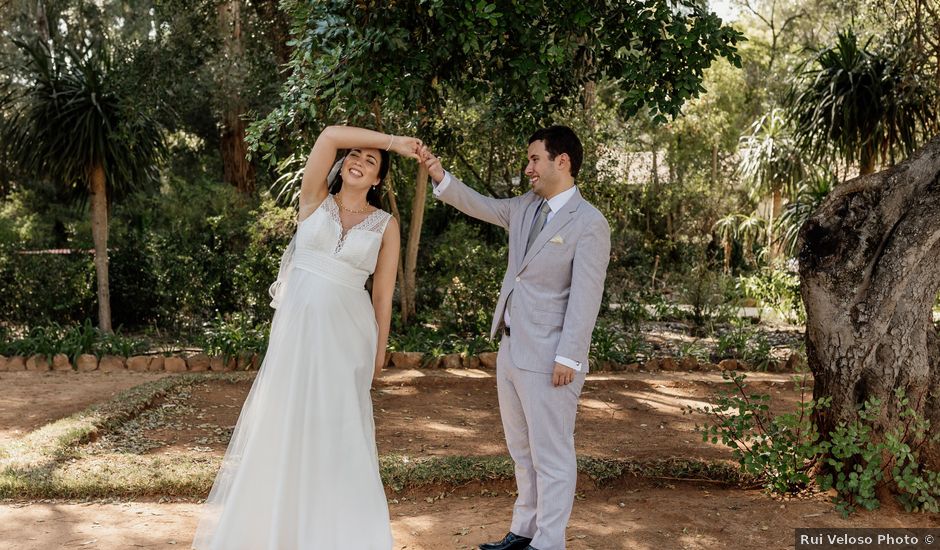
(435, 170)
(562, 375)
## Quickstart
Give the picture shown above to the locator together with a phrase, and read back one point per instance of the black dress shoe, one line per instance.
(511, 541)
(530, 547)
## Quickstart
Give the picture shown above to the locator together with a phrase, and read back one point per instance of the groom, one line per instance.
(559, 246)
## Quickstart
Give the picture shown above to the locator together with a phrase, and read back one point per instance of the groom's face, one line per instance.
(541, 171)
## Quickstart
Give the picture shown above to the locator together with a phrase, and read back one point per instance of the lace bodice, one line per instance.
(359, 246)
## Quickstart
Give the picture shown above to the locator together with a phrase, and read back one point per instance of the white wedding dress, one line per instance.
(301, 470)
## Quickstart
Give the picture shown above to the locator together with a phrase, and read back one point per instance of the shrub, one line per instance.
(468, 274)
(73, 341)
(858, 462)
(745, 342)
(38, 288)
(778, 290)
(233, 335)
(268, 235)
(778, 451)
(610, 344)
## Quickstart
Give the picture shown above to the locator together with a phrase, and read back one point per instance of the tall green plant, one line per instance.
(862, 104)
(771, 164)
(74, 122)
(810, 194)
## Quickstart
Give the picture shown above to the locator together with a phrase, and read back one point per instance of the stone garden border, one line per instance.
(200, 362)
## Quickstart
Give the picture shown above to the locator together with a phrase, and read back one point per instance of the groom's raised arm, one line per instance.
(454, 192)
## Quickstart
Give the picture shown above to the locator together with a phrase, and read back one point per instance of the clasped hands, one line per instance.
(414, 148)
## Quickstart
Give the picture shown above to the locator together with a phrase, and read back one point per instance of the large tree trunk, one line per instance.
(99, 234)
(414, 239)
(236, 170)
(868, 271)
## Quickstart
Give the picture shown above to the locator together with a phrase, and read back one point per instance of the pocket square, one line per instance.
(557, 240)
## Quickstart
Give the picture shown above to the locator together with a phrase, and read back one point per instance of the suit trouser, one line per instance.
(539, 419)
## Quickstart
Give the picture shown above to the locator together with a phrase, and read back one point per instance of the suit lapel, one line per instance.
(558, 221)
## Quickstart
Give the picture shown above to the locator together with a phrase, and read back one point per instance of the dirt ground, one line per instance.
(447, 413)
(29, 400)
(439, 413)
(637, 515)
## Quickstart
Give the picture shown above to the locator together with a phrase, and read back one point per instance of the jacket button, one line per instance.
(518, 279)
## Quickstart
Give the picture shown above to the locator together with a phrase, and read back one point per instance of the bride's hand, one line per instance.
(406, 146)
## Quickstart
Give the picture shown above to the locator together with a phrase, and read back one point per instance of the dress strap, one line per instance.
(377, 221)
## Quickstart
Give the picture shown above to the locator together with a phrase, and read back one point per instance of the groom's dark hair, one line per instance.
(561, 139)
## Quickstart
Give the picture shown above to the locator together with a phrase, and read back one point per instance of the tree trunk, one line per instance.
(774, 248)
(868, 271)
(414, 238)
(866, 161)
(393, 205)
(714, 164)
(236, 170)
(99, 234)
(402, 295)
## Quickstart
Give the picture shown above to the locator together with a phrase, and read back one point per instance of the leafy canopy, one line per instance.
(525, 59)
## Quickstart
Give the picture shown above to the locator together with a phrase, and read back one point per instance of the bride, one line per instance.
(301, 470)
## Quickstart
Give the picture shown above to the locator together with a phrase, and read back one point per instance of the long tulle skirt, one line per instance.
(301, 470)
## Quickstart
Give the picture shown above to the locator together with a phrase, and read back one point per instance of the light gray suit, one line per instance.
(556, 290)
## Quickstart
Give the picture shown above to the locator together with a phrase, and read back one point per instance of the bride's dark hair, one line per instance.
(374, 195)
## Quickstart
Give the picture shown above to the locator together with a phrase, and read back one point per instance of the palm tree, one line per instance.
(741, 228)
(73, 122)
(771, 164)
(811, 193)
(861, 104)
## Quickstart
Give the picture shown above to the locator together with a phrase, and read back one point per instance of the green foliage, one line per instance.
(178, 254)
(38, 288)
(233, 336)
(745, 342)
(610, 344)
(780, 450)
(859, 103)
(771, 160)
(256, 267)
(72, 340)
(632, 309)
(434, 342)
(711, 295)
(468, 272)
(77, 115)
(528, 59)
(746, 230)
(777, 289)
(661, 309)
(693, 349)
(777, 450)
(859, 462)
(809, 196)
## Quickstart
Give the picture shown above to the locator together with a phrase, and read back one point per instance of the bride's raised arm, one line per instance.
(314, 187)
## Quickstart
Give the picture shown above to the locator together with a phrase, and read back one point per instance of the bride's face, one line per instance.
(361, 168)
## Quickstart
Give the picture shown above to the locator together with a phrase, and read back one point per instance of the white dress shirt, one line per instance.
(555, 204)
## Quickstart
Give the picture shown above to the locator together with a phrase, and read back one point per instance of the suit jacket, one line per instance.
(557, 285)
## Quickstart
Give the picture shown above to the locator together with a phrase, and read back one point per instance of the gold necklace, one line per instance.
(351, 211)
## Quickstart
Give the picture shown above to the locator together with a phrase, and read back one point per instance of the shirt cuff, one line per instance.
(570, 363)
(439, 187)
